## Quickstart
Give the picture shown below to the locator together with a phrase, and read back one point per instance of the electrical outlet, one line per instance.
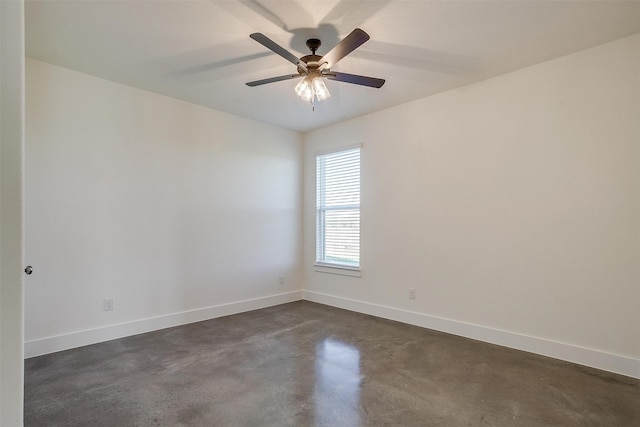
(412, 293)
(107, 304)
(281, 280)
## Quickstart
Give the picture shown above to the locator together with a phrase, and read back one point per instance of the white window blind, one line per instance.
(338, 208)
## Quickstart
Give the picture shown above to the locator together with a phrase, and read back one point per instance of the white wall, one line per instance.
(177, 212)
(11, 211)
(511, 205)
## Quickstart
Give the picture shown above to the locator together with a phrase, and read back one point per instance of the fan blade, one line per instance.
(347, 45)
(275, 47)
(273, 79)
(355, 79)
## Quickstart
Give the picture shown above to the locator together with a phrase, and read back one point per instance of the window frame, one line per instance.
(329, 267)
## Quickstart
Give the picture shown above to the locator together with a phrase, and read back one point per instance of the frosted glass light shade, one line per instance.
(320, 89)
(310, 88)
(304, 89)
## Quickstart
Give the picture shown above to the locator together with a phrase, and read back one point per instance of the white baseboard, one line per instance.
(92, 336)
(567, 352)
(580, 355)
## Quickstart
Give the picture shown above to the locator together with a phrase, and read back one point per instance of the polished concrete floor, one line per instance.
(305, 364)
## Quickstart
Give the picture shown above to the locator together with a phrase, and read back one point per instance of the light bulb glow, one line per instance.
(320, 89)
(312, 87)
(302, 87)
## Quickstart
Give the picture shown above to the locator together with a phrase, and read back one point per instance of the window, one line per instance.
(338, 209)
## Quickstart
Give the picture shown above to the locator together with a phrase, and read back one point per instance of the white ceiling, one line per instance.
(200, 51)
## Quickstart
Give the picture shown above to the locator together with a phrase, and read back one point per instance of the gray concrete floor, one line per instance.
(305, 364)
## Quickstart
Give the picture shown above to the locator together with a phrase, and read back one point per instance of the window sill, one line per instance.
(339, 270)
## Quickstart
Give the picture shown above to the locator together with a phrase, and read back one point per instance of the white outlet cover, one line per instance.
(107, 304)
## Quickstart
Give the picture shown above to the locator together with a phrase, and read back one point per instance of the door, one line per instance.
(11, 211)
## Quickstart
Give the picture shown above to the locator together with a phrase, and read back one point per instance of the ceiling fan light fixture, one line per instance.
(320, 89)
(304, 89)
(311, 88)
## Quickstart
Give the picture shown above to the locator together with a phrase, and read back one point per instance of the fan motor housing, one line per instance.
(312, 62)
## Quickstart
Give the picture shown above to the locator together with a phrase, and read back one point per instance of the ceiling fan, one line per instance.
(314, 67)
